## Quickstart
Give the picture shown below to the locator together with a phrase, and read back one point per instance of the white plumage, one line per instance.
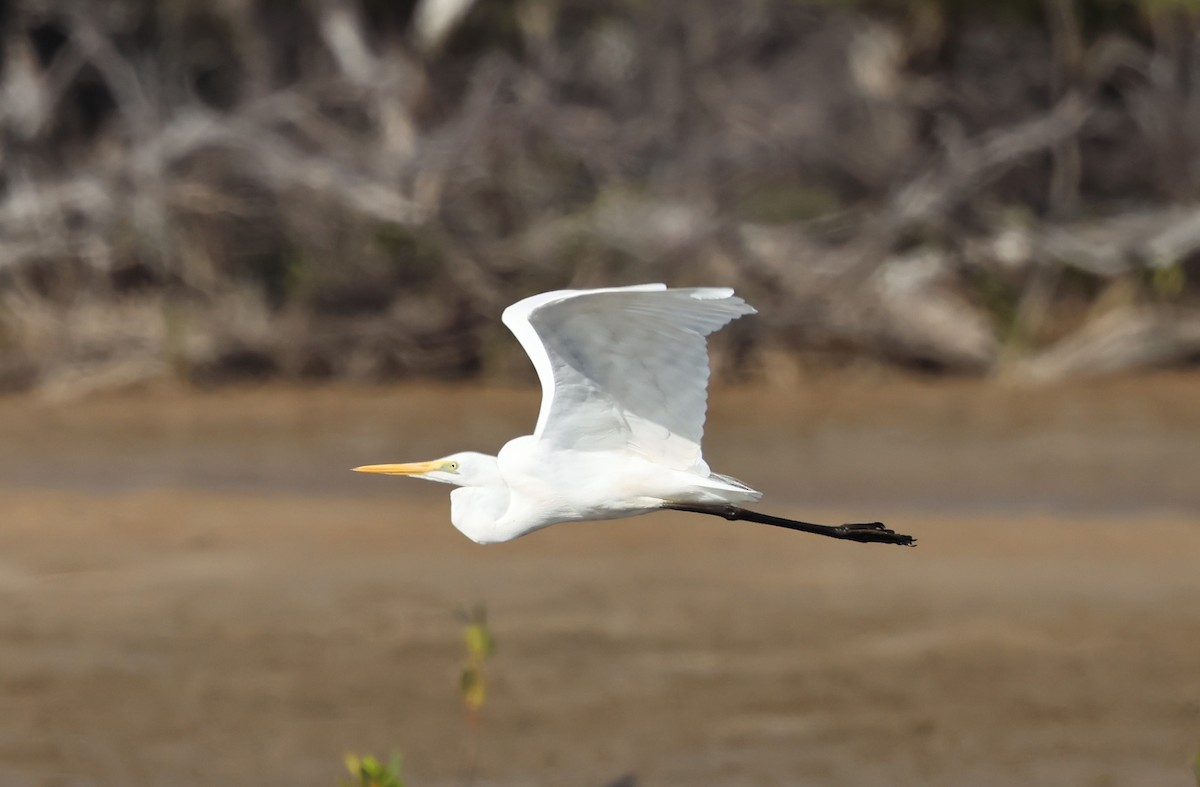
(624, 374)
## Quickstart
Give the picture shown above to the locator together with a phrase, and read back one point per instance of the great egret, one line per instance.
(624, 373)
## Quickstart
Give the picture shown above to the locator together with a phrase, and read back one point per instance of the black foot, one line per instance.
(872, 532)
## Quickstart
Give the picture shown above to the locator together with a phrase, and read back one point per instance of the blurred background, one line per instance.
(353, 190)
(247, 244)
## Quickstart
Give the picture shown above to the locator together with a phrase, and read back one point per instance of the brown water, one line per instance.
(194, 591)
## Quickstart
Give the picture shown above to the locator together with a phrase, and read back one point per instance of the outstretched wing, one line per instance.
(624, 367)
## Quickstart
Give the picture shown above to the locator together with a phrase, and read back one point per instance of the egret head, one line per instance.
(462, 469)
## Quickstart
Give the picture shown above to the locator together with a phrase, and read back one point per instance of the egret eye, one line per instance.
(452, 467)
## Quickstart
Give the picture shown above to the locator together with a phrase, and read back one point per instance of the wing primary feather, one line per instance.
(624, 367)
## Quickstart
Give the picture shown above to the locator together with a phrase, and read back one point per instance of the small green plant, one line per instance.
(473, 685)
(370, 772)
(480, 647)
(367, 771)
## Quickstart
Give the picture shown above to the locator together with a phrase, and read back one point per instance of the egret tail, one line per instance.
(863, 532)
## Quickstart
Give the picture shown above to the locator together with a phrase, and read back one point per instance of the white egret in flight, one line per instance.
(624, 375)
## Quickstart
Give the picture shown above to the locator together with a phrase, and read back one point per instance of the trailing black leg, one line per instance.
(863, 532)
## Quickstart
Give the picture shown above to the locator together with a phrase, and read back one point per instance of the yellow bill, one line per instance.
(412, 468)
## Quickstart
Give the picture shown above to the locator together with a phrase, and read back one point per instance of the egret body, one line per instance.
(624, 374)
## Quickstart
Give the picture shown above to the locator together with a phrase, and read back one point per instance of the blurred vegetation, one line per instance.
(355, 188)
(480, 646)
(370, 772)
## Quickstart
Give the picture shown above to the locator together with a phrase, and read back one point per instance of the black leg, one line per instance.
(863, 532)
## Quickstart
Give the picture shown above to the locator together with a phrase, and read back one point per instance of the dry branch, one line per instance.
(971, 168)
(1123, 341)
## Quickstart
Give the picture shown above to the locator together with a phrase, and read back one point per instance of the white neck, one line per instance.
(475, 510)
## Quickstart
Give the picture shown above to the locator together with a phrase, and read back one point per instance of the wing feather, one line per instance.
(624, 367)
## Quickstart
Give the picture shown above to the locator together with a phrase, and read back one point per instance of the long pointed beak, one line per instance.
(413, 468)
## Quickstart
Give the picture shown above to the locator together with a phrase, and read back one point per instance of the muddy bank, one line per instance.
(194, 591)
